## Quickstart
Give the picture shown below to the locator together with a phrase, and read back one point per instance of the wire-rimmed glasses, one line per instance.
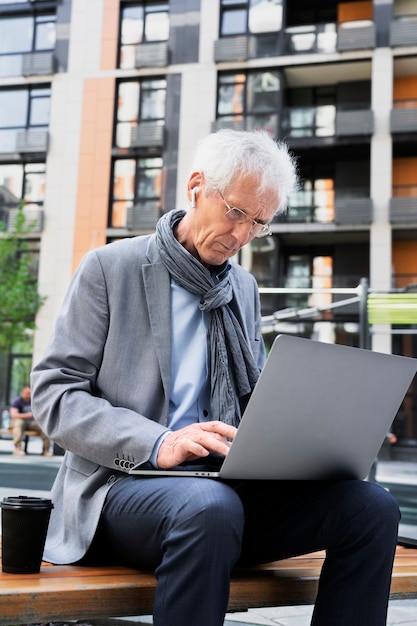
(238, 216)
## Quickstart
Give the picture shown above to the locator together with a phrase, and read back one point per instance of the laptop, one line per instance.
(319, 411)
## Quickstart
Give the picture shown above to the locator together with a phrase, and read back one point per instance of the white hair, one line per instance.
(230, 154)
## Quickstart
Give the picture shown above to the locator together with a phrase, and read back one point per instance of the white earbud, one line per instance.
(193, 194)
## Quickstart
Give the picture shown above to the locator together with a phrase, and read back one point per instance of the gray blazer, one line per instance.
(101, 390)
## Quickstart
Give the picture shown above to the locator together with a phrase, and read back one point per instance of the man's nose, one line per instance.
(242, 232)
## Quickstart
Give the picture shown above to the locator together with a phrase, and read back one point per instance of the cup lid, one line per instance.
(21, 502)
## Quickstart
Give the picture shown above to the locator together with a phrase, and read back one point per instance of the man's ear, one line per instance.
(196, 179)
(194, 184)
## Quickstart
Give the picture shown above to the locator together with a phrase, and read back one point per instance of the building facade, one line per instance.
(102, 103)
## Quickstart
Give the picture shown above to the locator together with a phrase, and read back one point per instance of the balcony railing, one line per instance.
(231, 49)
(356, 35)
(151, 55)
(304, 122)
(34, 219)
(23, 141)
(297, 213)
(38, 64)
(403, 117)
(323, 38)
(353, 210)
(268, 122)
(28, 64)
(244, 47)
(359, 122)
(340, 206)
(147, 135)
(403, 31)
(403, 205)
(143, 216)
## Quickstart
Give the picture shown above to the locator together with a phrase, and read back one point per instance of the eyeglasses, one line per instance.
(238, 216)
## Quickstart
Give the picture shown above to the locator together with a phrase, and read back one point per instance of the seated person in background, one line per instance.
(22, 416)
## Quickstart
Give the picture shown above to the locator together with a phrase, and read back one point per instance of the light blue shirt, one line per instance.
(189, 400)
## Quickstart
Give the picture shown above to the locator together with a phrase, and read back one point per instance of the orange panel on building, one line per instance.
(110, 34)
(94, 166)
(404, 260)
(404, 171)
(405, 90)
(352, 11)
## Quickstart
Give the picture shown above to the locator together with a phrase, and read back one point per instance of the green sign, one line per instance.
(392, 308)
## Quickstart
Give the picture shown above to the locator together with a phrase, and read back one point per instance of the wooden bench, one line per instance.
(26, 435)
(66, 592)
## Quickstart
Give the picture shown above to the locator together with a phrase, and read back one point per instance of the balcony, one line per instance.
(38, 64)
(268, 122)
(34, 219)
(349, 123)
(356, 35)
(244, 47)
(151, 55)
(23, 141)
(28, 64)
(32, 141)
(147, 135)
(231, 49)
(403, 118)
(353, 210)
(403, 210)
(142, 216)
(306, 214)
(329, 206)
(326, 121)
(403, 31)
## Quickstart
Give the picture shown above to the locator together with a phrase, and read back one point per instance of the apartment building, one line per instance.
(102, 103)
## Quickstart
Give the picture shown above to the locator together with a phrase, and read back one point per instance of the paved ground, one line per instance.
(33, 475)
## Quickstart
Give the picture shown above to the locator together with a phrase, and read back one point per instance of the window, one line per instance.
(24, 34)
(305, 271)
(313, 202)
(138, 102)
(252, 98)
(250, 17)
(311, 112)
(21, 183)
(136, 182)
(311, 38)
(22, 109)
(141, 22)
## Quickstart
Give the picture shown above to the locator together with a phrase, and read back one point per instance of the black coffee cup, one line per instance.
(24, 523)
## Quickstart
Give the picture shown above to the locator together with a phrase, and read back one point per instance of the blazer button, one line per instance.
(111, 480)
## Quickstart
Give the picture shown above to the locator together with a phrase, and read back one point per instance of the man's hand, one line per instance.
(195, 441)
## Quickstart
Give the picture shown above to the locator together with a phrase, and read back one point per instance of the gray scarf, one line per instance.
(231, 358)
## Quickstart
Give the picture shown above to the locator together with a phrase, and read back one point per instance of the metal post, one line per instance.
(363, 315)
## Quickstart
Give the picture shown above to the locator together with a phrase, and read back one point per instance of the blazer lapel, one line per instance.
(158, 298)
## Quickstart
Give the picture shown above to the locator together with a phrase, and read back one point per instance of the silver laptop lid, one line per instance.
(319, 411)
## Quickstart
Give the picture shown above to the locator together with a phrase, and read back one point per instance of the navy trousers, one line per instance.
(192, 531)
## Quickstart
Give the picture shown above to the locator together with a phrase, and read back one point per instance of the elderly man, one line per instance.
(155, 352)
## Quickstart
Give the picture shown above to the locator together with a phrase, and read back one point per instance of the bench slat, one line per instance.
(66, 592)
